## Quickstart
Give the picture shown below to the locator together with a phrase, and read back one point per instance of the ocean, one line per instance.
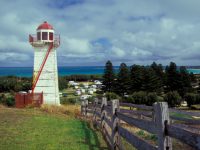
(62, 71)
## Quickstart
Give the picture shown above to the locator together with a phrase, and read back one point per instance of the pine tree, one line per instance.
(136, 77)
(108, 77)
(185, 81)
(158, 68)
(123, 80)
(173, 81)
(151, 82)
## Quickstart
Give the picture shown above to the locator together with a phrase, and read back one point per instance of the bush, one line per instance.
(173, 98)
(144, 98)
(192, 99)
(65, 100)
(151, 98)
(90, 99)
(8, 101)
(139, 97)
(63, 83)
(3, 99)
(111, 95)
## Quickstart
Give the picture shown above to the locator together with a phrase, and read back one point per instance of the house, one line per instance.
(82, 90)
(94, 86)
(78, 92)
(90, 92)
(83, 97)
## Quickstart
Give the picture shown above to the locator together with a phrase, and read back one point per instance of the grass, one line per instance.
(46, 128)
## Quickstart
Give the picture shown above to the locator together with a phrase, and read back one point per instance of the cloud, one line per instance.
(76, 46)
(130, 31)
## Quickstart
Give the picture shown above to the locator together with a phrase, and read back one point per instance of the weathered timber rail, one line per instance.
(111, 117)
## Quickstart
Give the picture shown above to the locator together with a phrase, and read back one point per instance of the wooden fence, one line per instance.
(111, 116)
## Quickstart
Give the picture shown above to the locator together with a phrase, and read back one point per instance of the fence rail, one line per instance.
(113, 118)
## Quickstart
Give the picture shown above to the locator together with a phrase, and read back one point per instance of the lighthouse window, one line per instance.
(44, 36)
(39, 36)
(50, 36)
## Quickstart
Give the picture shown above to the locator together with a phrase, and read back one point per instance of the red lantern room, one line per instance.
(45, 32)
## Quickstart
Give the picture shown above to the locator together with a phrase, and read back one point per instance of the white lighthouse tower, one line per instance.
(45, 74)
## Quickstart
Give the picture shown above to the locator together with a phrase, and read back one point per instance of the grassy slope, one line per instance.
(32, 129)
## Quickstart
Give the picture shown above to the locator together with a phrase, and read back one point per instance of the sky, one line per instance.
(94, 31)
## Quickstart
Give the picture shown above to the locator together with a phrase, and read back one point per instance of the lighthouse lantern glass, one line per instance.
(39, 36)
(44, 36)
(51, 36)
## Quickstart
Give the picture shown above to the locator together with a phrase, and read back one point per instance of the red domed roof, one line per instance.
(45, 25)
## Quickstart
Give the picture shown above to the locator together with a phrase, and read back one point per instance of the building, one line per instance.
(45, 74)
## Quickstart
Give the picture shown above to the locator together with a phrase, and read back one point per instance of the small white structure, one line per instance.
(82, 90)
(98, 83)
(94, 86)
(94, 89)
(60, 94)
(45, 76)
(71, 82)
(86, 86)
(78, 92)
(76, 87)
(22, 92)
(90, 92)
(83, 97)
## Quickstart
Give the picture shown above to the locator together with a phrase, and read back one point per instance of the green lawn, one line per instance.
(32, 129)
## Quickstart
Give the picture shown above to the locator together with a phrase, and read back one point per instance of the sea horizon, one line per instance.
(71, 70)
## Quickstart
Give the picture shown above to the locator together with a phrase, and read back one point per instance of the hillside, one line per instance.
(34, 129)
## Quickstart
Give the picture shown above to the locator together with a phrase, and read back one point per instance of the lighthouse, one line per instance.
(45, 72)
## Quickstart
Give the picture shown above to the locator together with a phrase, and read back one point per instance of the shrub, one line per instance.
(190, 98)
(173, 98)
(10, 101)
(198, 99)
(151, 98)
(139, 97)
(90, 99)
(111, 95)
(3, 99)
(65, 100)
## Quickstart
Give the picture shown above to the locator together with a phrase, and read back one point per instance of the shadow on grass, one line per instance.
(91, 138)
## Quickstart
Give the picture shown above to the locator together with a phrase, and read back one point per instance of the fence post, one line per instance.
(103, 112)
(86, 107)
(115, 122)
(83, 107)
(94, 111)
(161, 119)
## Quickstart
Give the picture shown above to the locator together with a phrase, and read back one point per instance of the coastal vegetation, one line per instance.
(135, 84)
(148, 84)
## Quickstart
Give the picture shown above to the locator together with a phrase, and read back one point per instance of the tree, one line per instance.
(144, 79)
(158, 68)
(108, 77)
(173, 81)
(173, 98)
(151, 82)
(185, 81)
(123, 80)
(136, 77)
(63, 84)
